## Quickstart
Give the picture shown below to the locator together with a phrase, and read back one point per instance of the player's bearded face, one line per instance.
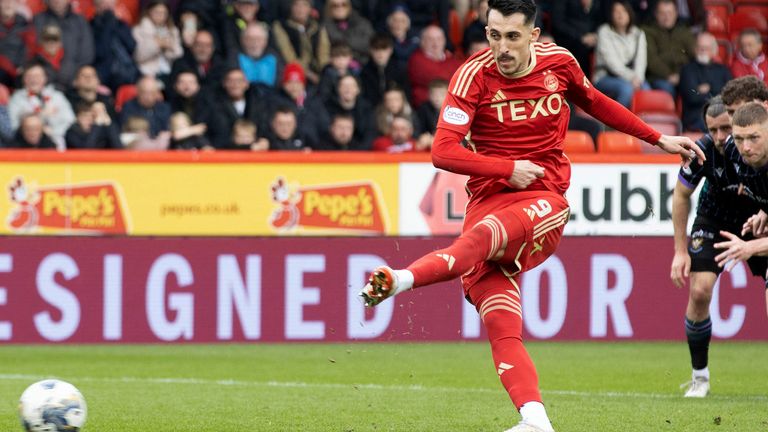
(510, 38)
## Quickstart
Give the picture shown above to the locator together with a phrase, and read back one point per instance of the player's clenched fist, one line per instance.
(525, 173)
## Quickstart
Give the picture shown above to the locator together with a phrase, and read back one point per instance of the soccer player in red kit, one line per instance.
(509, 101)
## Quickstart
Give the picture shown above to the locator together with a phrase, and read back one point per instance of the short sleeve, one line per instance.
(462, 98)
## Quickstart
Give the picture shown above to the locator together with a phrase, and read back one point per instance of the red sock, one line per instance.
(499, 308)
(470, 248)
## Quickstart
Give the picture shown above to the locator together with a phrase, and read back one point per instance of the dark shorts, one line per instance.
(701, 248)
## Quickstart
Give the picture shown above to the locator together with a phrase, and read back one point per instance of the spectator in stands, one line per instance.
(750, 58)
(344, 24)
(300, 38)
(38, 97)
(431, 61)
(474, 33)
(149, 104)
(31, 134)
(187, 97)
(428, 113)
(405, 41)
(339, 66)
(310, 110)
(284, 133)
(393, 103)
(341, 135)
(670, 47)
(693, 14)
(399, 139)
(622, 55)
(260, 64)
(700, 80)
(422, 13)
(91, 131)
(242, 13)
(574, 26)
(245, 137)
(87, 88)
(349, 101)
(238, 101)
(203, 60)
(382, 71)
(49, 52)
(114, 47)
(6, 131)
(136, 136)
(196, 15)
(158, 42)
(185, 135)
(16, 35)
(76, 36)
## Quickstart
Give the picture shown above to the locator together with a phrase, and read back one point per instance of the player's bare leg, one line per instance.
(698, 330)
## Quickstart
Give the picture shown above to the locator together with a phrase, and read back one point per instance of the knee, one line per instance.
(700, 296)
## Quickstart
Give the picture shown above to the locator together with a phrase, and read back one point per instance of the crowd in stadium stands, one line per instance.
(309, 75)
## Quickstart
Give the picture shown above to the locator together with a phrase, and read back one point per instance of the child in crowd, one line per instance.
(136, 135)
(244, 137)
(91, 131)
(185, 135)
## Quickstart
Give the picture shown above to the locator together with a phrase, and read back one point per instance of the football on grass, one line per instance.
(52, 406)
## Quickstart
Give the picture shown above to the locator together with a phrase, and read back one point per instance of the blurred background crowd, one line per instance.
(306, 75)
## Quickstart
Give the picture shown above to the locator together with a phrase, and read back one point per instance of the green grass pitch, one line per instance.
(628, 386)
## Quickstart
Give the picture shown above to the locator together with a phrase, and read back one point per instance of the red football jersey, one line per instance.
(520, 117)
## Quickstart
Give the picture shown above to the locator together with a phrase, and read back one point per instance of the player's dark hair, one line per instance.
(714, 107)
(744, 89)
(750, 114)
(509, 7)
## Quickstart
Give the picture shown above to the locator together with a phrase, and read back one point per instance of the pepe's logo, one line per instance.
(352, 207)
(286, 216)
(24, 217)
(89, 208)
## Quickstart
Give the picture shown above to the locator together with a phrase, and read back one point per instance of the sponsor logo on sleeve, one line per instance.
(455, 116)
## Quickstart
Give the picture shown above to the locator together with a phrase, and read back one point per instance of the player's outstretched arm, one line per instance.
(737, 249)
(681, 207)
(684, 146)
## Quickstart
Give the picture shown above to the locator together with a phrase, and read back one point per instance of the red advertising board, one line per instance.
(91, 290)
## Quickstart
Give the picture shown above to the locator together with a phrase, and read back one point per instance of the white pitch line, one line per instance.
(299, 384)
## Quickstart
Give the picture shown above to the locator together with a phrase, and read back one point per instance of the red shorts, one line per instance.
(531, 225)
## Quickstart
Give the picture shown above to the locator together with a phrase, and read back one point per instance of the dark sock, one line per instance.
(699, 334)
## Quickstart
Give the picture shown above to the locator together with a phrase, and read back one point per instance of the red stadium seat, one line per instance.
(128, 11)
(652, 101)
(742, 20)
(83, 7)
(35, 6)
(124, 93)
(753, 9)
(617, 142)
(5, 94)
(724, 51)
(750, 2)
(717, 17)
(578, 142)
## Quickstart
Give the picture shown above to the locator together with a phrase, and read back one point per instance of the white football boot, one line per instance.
(381, 285)
(698, 387)
(526, 427)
